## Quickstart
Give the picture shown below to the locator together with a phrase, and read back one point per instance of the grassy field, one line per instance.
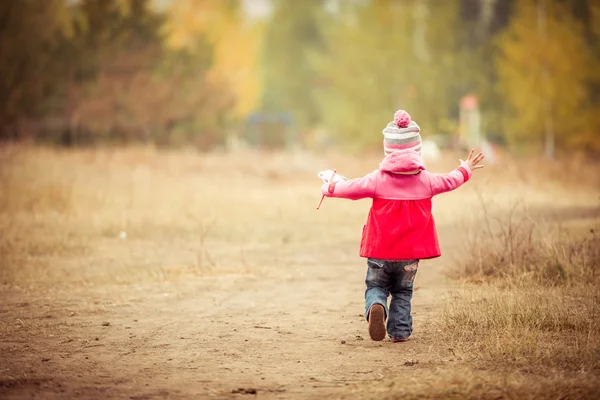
(216, 210)
(509, 311)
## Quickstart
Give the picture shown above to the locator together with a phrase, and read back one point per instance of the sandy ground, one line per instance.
(281, 335)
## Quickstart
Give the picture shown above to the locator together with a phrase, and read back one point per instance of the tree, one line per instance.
(292, 38)
(233, 42)
(544, 67)
(384, 55)
(74, 71)
(115, 52)
(30, 68)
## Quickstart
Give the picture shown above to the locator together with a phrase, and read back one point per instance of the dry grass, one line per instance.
(464, 382)
(534, 328)
(523, 247)
(62, 213)
(530, 297)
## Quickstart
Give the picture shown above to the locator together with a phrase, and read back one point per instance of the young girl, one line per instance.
(400, 229)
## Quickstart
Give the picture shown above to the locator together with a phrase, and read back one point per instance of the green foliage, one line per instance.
(291, 38)
(31, 68)
(384, 55)
(67, 65)
(525, 52)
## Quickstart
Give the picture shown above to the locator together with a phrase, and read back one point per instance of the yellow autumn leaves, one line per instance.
(549, 41)
(234, 41)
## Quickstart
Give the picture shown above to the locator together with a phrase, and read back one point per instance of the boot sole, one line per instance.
(377, 329)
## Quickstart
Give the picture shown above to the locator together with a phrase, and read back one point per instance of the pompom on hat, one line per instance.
(401, 134)
(402, 118)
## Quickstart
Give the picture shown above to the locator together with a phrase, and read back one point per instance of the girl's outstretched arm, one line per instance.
(352, 189)
(441, 183)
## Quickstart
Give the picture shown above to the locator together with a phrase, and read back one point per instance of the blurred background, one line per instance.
(159, 236)
(221, 74)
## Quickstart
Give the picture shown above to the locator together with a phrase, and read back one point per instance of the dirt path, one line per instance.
(287, 334)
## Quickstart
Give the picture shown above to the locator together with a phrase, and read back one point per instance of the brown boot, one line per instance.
(377, 322)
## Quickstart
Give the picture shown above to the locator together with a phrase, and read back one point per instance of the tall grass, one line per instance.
(516, 245)
(530, 296)
(465, 383)
(125, 215)
(533, 327)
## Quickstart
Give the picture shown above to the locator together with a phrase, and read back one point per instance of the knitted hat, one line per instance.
(402, 133)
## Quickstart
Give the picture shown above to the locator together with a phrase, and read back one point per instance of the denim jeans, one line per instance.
(396, 278)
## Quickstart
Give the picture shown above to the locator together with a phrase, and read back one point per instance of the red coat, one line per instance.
(400, 225)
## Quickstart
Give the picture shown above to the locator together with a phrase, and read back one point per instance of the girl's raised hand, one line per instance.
(472, 162)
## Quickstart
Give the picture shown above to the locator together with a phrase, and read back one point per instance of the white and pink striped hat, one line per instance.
(402, 133)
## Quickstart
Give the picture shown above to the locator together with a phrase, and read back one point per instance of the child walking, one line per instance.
(400, 229)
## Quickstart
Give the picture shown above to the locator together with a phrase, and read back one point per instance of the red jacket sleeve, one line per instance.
(352, 189)
(441, 183)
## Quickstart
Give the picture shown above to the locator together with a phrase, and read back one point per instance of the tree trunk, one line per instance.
(548, 120)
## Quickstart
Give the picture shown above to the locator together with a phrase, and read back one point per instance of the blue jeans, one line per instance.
(396, 278)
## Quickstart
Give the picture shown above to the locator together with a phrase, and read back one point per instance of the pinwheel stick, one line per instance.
(330, 182)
